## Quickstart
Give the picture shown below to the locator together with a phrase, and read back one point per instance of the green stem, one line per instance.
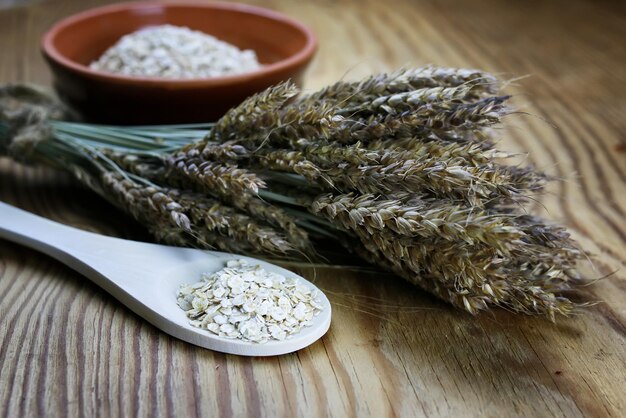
(149, 139)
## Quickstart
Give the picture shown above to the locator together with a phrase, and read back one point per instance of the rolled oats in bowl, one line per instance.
(174, 52)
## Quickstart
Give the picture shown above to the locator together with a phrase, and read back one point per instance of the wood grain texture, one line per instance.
(69, 349)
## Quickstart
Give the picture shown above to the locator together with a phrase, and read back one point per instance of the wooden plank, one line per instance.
(68, 349)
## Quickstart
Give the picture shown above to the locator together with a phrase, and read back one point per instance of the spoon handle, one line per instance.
(128, 264)
(116, 265)
(41, 234)
(90, 254)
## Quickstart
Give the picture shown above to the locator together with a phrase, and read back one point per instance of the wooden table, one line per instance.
(69, 349)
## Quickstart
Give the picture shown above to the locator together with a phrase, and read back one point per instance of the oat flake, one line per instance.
(174, 52)
(246, 302)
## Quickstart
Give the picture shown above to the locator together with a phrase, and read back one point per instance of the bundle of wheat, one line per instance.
(401, 168)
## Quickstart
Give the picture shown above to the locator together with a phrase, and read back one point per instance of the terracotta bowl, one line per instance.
(283, 45)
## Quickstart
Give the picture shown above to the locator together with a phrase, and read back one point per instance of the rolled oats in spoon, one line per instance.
(246, 302)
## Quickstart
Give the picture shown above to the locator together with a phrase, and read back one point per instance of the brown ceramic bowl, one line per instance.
(283, 45)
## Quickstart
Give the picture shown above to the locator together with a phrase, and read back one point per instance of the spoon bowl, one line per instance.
(145, 277)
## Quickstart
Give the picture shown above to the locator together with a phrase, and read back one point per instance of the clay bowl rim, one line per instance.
(299, 58)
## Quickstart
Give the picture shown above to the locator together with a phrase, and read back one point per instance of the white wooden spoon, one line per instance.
(145, 277)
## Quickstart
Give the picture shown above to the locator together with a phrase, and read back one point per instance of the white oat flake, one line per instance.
(248, 303)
